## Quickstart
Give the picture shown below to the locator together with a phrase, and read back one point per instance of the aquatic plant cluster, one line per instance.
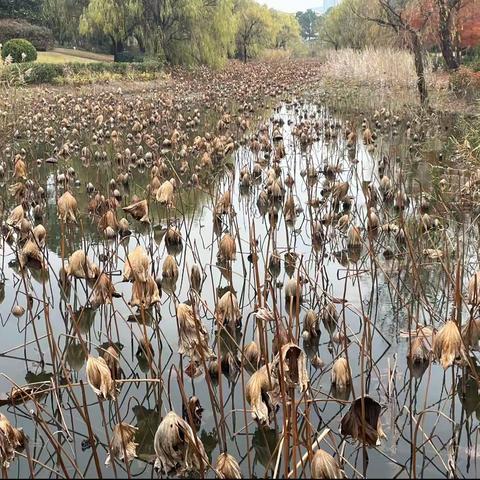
(218, 275)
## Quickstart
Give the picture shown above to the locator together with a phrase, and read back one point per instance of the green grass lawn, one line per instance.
(63, 55)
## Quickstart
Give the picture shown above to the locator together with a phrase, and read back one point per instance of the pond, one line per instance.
(380, 290)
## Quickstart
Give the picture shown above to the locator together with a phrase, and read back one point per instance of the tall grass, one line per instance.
(384, 66)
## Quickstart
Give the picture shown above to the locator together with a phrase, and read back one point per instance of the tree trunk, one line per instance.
(419, 66)
(245, 52)
(446, 27)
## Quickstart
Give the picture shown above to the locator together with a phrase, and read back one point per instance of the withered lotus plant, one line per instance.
(80, 266)
(421, 345)
(325, 466)
(251, 352)
(261, 393)
(11, 440)
(293, 366)
(193, 336)
(311, 327)
(145, 294)
(474, 290)
(166, 193)
(227, 250)
(138, 210)
(448, 344)
(362, 421)
(227, 312)
(136, 265)
(122, 443)
(227, 467)
(179, 451)
(67, 208)
(100, 378)
(341, 374)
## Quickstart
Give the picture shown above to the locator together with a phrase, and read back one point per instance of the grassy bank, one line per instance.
(77, 73)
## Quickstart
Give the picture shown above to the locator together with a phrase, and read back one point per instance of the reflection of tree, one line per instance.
(264, 443)
(210, 441)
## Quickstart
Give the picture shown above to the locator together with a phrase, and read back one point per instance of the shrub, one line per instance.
(16, 48)
(40, 37)
(72, 73)
(129, 57)
(465, 82)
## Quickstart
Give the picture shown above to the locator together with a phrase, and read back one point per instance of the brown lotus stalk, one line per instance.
(122, 443)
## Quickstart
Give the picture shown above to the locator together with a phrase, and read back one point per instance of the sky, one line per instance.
(291, 5)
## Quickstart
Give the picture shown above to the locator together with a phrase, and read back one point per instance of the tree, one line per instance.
(340, 28)
(62, 17)
(21, 9)
(254, 30)
(117, 19)
(393, 17)
(286, 29)
(308, 24)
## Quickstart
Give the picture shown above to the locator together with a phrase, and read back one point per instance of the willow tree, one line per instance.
(189, 31)
(62, 17)
(286, 29)
(255, 29)
(117, 19)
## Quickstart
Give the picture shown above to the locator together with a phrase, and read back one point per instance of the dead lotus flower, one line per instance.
(341, 375)
(260, 394)
(11, 440)
(80, 266)
(227, 312)
(179, 451)
(227, 250)
(103, 291)
(251, 352)
(122, 443)
(166, 192)
(471, 332)
(145, 294)
(362, 421)
(196, 278)
(293, 366)
(421, 345)
(193, 336)
(67, 208)
(137, 265)
(16, 216)
(100, 378)
(311, 326)
(227, 467)
(325, 466)
(170, 268)
(474, 290)
(448, 344)
(138, 210)
(31, 253)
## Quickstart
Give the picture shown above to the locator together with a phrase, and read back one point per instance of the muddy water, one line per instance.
(378, 289)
